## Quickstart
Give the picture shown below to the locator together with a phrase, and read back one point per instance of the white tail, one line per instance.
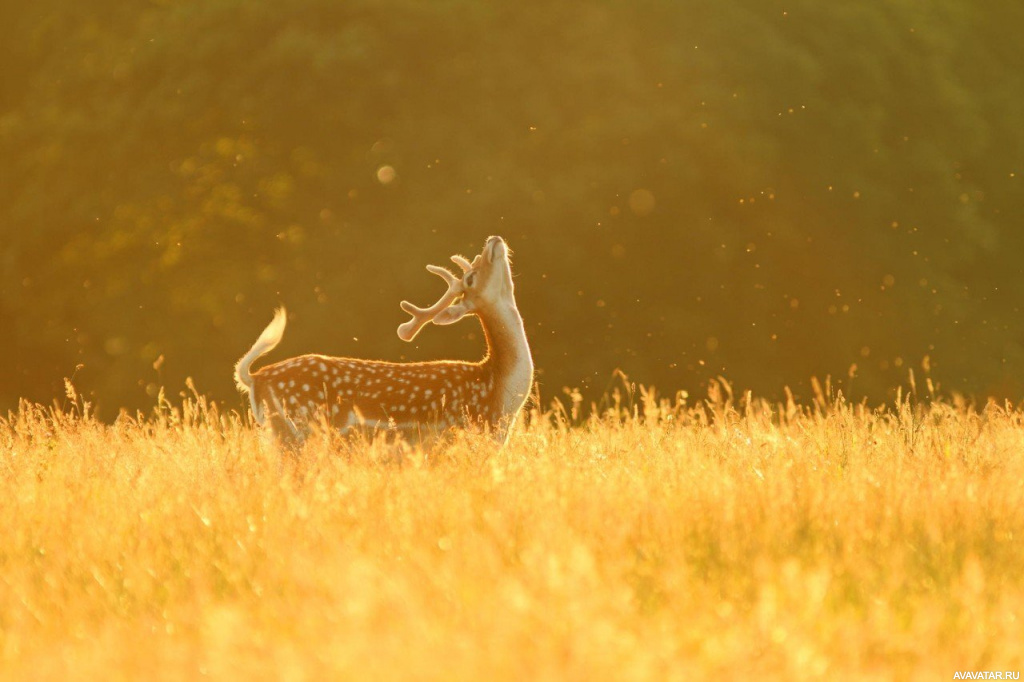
(267, 342)
(413, 397)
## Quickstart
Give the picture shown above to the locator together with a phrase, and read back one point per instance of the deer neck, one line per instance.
(508, 357)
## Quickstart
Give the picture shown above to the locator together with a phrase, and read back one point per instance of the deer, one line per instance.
(415, 399)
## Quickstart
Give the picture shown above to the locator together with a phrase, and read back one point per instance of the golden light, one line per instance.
(386, 175)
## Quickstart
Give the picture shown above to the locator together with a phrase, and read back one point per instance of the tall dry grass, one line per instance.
(662, 540)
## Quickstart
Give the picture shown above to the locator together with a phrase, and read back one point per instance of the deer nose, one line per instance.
(491, 248)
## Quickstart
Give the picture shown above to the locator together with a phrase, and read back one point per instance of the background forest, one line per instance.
(763, 190)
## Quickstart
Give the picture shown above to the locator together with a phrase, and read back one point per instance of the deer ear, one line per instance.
(454, 313)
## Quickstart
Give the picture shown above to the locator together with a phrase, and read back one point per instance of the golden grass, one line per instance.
(692, 542)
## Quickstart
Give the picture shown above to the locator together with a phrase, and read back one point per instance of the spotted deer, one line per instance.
(416, 398)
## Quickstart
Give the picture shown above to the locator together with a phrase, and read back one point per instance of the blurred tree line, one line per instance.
(765, 190)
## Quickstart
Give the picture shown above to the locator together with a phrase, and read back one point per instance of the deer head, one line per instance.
(485, 286)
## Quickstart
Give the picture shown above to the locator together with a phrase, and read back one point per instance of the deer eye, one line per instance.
(470, 280)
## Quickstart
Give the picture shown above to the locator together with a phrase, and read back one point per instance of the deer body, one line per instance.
(417, 398)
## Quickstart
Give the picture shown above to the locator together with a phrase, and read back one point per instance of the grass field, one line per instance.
(658, 540)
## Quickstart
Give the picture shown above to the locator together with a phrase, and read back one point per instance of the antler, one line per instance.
(462, 263)
(407, 331)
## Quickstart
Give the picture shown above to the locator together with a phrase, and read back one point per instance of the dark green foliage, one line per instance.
(832, 184)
